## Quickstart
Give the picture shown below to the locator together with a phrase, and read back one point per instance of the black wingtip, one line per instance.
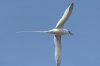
(72, 4)
(71, 7)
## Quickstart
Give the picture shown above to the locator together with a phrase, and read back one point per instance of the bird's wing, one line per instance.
(65, 16)
(57, 40)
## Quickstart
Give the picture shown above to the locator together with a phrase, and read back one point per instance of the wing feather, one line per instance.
(65, 16)
(57, 40)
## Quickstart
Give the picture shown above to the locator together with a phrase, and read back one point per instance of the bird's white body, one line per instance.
(58, 31)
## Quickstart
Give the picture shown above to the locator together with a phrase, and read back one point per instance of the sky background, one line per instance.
(37, 49)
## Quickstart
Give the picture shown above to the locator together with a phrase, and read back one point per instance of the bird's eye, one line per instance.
(69, 32)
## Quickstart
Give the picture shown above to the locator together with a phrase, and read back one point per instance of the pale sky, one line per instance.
(37, 49)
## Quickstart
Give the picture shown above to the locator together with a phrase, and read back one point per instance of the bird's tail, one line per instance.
(33, 31)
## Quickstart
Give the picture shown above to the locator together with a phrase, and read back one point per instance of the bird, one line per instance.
(58, 31)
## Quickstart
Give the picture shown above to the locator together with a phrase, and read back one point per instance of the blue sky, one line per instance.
(36, 49)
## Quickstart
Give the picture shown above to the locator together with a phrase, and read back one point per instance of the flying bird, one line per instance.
(58, 31)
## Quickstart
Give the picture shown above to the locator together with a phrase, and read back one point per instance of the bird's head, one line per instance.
(70, 33)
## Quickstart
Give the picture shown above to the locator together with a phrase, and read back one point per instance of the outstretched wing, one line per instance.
(57, 40)
(65, 16)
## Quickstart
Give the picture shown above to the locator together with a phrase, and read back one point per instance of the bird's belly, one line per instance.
(58, 31)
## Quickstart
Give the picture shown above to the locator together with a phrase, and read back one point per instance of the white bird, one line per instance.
(58, 31)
